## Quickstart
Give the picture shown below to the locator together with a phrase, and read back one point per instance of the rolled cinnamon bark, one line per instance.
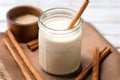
(33, 45)
(95, 69)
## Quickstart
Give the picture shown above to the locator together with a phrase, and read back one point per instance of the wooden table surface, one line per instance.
(103, 14)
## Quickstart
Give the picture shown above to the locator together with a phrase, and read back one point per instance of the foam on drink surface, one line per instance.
(58, 23)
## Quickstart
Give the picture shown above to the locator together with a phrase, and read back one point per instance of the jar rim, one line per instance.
(80, 21)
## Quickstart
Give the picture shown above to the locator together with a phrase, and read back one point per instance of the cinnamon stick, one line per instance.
(95, 69)
(33, 42)
(106, 51)
(33, 45)
(79, 13)
(18, 61)
(22, 54)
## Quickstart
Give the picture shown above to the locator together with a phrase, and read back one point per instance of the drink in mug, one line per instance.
(59, 47)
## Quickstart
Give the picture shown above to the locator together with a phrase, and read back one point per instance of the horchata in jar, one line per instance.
(59, 46)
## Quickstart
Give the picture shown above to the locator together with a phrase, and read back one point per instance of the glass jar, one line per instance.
(59, 47)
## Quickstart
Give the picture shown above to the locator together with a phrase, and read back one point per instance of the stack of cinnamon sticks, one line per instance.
(33, 45)
(23, 57)
(95, 64)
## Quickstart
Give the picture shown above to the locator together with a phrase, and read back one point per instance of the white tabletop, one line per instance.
(104, 14)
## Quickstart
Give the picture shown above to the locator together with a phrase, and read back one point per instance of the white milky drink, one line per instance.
(59, 47)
